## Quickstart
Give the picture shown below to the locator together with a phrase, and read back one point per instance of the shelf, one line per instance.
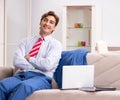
(78, 28)
(76, 46)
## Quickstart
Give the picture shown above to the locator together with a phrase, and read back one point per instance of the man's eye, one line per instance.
(45, 19)
(52, 22)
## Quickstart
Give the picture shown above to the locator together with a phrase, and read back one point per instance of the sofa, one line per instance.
(107, 73)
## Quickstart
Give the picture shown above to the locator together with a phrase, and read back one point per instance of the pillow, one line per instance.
(73, 57)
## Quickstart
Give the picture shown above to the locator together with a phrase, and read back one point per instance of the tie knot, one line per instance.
(41, 39)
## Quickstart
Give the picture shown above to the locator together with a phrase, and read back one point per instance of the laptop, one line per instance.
(78, 76)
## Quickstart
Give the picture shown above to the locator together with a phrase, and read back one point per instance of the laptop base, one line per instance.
(97, 88)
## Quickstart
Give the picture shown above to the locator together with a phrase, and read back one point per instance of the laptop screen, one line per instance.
(77, 76)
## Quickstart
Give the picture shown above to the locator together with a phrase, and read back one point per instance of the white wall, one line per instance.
(1, 32)
(110, 16)
(15, 27)
(110, 21)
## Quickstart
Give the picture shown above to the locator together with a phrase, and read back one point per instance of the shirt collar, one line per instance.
(45, 38)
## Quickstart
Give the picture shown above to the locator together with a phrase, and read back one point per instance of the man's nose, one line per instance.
(47, 22)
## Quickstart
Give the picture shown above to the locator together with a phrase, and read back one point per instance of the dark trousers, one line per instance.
(22, 85)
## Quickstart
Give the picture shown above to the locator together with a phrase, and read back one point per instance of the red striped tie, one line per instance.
(34, 51)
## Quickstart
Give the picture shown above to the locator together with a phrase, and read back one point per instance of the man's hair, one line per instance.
(51, 13)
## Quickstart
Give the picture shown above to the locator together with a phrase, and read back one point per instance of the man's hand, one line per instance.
(27, 57)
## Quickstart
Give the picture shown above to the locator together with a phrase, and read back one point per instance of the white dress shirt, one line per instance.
(46, 60)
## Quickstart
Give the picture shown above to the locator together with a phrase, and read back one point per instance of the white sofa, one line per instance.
(107, 73)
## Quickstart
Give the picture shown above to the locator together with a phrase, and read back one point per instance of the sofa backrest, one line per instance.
(107, 68)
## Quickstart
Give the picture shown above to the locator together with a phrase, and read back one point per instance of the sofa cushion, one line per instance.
(57, 94)
(73, 57)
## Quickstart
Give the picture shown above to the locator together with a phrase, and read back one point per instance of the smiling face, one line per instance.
(47, 25)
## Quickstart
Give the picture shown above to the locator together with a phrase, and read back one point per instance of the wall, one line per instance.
(15, 27)
(1, 31)
(110, 21)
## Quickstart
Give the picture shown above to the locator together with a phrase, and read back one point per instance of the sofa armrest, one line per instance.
(6, 72)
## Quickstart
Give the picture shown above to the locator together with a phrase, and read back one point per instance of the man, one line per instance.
(36, 64)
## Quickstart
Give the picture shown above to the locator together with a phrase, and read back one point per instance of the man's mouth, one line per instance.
(46, 27)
